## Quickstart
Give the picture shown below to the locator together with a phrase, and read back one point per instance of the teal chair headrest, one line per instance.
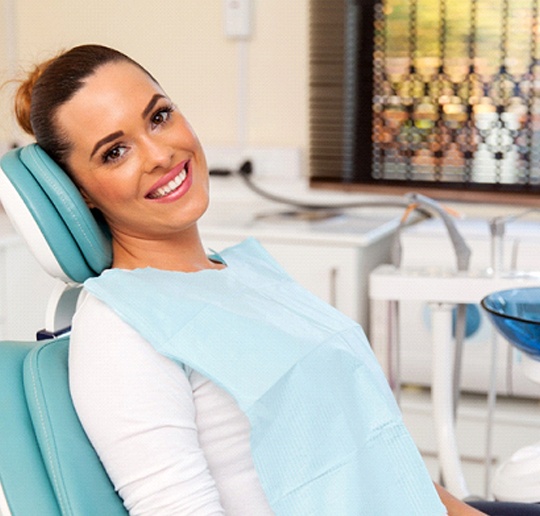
(47, 209)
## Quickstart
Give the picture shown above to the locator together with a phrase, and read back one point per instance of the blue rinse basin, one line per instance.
(516, 315)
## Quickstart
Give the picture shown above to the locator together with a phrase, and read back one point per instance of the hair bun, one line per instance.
(23, 96)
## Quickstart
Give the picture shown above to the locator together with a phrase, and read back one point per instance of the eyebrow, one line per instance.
(105, 140)
(111, 137)
(151, 104)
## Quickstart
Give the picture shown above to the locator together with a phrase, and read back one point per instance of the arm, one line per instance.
(454, 506)
(137, 408)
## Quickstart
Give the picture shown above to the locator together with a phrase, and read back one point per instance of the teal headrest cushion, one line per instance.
(80, 245)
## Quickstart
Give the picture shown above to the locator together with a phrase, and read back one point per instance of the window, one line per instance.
(426, 93)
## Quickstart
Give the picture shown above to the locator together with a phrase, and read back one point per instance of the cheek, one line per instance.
(184, 135)
(104, 193)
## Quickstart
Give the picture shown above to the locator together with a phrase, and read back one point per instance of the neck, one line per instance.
(182, 252)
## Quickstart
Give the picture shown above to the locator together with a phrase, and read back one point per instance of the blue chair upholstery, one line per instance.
(22, 470)
(47, 465)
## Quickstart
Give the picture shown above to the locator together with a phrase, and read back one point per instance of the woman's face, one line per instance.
(134, 156)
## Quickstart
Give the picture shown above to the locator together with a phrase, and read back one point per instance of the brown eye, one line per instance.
(162, 115)
(158, 118)
(113, 154)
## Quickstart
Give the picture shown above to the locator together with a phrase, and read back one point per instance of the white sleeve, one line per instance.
(137, 408)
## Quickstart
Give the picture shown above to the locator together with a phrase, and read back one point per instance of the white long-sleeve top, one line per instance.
(172, 442)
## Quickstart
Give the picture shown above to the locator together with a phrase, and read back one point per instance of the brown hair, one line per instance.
(53, 83)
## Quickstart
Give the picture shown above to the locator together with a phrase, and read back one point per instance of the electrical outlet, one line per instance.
(237, 16)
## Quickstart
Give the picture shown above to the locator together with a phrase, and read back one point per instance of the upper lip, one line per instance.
(169, 176)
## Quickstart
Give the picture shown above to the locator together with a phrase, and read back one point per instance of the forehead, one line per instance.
(119, 76)
(111, 98)
(115, 81)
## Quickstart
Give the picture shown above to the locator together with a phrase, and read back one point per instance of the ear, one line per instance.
(86, 198)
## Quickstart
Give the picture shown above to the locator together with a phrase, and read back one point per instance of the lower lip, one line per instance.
(180, 191)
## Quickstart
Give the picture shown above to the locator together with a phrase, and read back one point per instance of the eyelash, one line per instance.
(164, 111)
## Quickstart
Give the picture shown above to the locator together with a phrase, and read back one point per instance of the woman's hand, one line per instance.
(454, 506)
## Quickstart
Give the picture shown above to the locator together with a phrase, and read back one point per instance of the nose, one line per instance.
(156, 154)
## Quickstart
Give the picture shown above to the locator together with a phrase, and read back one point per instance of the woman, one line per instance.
(192, 374)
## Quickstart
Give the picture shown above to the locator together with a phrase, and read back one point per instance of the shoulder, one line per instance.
(103, 347)
(94, 318)
(100, 337)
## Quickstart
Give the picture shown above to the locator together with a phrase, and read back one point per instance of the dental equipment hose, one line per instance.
(245, 172)
(419, 202)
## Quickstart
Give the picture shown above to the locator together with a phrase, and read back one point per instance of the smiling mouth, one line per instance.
(175, 183)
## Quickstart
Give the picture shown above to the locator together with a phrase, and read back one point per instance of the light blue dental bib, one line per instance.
(327, 437)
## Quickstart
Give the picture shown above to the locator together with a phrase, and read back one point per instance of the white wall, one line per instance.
(183, 44)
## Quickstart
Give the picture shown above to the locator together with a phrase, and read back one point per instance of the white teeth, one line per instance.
(172, 185)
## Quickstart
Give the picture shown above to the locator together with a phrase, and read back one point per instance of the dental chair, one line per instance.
(47, 465)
